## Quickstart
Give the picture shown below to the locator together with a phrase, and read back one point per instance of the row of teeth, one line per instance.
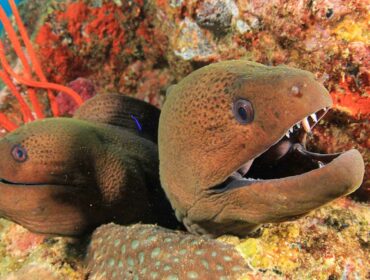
(304, 123)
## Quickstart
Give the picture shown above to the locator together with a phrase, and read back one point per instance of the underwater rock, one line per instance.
(330, 243)
(153, 252)
(24, 255)
(33, 272)
(215, 16)
(192, 42)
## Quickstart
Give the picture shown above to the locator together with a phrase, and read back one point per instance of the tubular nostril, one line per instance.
(296, 91)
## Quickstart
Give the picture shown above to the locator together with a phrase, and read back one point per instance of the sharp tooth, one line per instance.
(306, 125)
(287, 134)
(320, 164)
(298, 125)
(291, 130)
(313, 116)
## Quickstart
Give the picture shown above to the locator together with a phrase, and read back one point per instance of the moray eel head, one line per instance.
(232, 153)
(42, 172)
(66, 176)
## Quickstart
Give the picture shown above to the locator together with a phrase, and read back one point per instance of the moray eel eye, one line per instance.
(243, 111)
(19, 153)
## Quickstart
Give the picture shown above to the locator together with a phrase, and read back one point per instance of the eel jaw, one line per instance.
(43, 208)
(267, 189)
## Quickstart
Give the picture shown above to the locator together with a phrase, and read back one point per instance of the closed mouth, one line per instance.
(7, 182)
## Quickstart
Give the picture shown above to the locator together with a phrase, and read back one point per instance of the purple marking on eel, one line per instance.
(137, 122)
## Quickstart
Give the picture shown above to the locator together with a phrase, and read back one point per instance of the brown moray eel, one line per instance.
(68, 175)
(231, 148)
(152, 252)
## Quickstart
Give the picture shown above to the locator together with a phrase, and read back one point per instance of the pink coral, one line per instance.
(84, 87)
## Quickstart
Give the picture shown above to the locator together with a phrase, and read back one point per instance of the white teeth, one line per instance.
(320, 164)
(306, 125)
(313, 116)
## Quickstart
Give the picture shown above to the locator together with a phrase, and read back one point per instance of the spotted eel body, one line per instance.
(152, 252)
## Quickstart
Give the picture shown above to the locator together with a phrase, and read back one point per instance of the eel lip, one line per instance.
(292, 196)
(7, 182)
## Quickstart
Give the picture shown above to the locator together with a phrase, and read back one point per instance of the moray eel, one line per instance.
(66, 176)
(153, 252)
(232, 153)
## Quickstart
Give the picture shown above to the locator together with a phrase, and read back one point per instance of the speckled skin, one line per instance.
(201, 144)
(85, 171)
(153, 252)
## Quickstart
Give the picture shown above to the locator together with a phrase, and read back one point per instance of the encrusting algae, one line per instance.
(330, 243)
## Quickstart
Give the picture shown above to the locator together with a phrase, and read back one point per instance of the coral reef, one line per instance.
(151, 252)
(330, 243)
(140, 47)
(25, 255)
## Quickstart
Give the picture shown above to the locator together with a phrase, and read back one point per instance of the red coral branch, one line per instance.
(27, 79)
(32, 54)
(31, 83)
(18, 50)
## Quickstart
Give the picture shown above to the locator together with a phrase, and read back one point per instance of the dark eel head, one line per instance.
(232, 152)
(68, 175)
(43, 165)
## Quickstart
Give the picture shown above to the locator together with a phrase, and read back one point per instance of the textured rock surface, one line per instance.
(24, 255)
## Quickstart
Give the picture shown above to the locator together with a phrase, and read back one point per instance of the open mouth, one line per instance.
(288, 157)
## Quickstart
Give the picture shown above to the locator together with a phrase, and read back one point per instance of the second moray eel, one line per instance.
(66, 176)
